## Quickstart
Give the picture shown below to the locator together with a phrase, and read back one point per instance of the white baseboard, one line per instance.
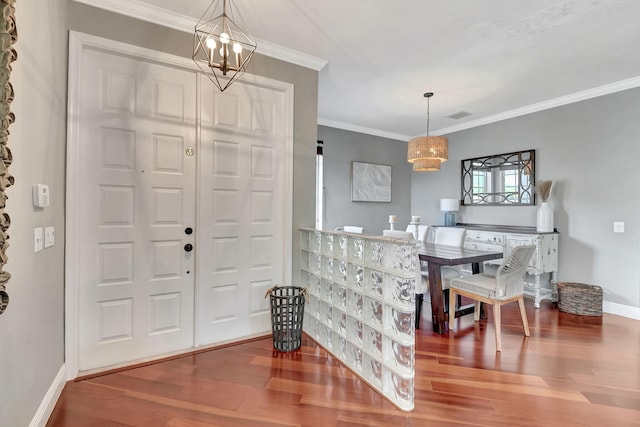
(50, 399)
(621, 310)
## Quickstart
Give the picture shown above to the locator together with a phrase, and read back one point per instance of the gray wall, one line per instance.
(590, 149)
(31, 330)
(341, 147)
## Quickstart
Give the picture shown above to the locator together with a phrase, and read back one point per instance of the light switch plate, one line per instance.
(37, 239)
(49, 236)
(618, 227)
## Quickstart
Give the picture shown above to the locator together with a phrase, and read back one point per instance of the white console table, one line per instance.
(505, 238)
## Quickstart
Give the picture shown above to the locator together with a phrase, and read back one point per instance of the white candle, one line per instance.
(392, 218)
(415, 218)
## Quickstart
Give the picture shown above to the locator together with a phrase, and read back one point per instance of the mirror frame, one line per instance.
(8, 54)
(524, 161)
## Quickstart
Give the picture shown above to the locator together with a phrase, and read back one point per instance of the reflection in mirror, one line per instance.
(502, 179)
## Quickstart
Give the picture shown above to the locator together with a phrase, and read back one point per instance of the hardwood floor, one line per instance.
(571, 371)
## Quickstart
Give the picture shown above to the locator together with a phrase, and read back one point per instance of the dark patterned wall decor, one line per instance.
(8, 36)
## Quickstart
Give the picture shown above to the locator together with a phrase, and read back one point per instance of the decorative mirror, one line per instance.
(8, 37)
(501, 179)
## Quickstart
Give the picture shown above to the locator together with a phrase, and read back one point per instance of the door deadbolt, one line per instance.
(188, 247)
(188, 230)
(190, 151)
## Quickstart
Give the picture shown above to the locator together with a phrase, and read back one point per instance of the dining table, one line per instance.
(437, 256)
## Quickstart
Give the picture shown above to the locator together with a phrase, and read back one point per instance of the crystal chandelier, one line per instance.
(427, 152)
(221, 49)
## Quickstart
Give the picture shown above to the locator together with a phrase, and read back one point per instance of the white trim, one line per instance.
(362, 129)
(72, 211)
(49, 401)
(198, 217)
(146, 12)
(545, 105)
(289, 55)
(288, 186)
(621, 310)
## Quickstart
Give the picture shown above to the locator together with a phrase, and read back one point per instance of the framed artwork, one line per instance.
(370, 182)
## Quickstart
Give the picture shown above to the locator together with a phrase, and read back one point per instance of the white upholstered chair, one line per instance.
(507, 286)
(422, 232)
(351, 229)
(451, 236)
(398, 234)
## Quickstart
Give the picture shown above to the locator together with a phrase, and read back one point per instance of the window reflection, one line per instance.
(504, 179)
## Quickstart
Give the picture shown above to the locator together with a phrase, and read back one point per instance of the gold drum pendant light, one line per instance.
(428, 151)
(221, 49)
(426, 165)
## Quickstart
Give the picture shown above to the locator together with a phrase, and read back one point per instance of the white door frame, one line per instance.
(78, 42)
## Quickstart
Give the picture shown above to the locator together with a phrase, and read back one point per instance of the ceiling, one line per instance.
(493, 59)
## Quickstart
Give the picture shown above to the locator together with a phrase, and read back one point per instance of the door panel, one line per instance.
(242, 186)
(136, 282)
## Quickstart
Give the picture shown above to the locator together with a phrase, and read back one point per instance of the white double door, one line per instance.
(182, 200)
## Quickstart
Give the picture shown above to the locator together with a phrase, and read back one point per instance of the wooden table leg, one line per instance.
(437, 300)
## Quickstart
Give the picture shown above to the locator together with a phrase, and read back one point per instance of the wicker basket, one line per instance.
(580, 298)
(287, 315)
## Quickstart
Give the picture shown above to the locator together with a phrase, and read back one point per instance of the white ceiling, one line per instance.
(494, 59)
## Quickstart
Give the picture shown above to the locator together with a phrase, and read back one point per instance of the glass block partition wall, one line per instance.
(362, 306)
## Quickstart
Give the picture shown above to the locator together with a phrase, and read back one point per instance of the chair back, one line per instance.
(351, 229)
(510, 274)
(422, 232)
(451, 236)
(398, 234)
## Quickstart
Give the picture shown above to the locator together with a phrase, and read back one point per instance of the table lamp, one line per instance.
(449, 207)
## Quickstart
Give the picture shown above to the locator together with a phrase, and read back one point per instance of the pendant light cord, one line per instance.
(428, 116)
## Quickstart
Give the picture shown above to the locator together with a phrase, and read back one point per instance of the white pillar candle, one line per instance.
(392, 219)
(415, 218)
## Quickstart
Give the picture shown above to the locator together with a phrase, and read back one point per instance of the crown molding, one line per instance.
(545, 105)
(362, 129)
(533, 108)
(155, 15)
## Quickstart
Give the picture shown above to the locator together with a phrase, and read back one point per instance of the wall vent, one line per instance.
(459, 115)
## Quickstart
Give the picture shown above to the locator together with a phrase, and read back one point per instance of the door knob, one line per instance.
(188, 247)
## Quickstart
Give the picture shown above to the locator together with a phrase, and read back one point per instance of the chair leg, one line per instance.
(477, 307)
(446, 300)
(419, 298)
(452, 308)
(496, 319)
(523, 314)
